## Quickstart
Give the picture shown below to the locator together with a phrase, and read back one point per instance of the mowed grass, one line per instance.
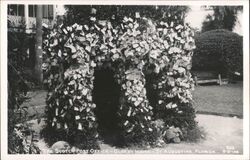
(213, 99)
(220, 100)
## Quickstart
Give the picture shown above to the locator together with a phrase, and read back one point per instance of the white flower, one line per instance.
(92, 18)
(79, 126)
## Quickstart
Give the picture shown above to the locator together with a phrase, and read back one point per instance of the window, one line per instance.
(48, 11)
(16, 10)
(32, 10)
(20, 10)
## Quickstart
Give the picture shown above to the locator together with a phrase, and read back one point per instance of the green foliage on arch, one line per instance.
(130, 49)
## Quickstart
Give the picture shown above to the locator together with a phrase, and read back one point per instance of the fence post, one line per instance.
(219, 77)
(196, 80)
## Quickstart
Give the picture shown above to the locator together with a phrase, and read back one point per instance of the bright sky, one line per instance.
(238, 26)
(197, 15)
(60, 10)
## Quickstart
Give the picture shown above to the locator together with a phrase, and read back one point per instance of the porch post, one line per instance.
(54, 12)
(26, 15)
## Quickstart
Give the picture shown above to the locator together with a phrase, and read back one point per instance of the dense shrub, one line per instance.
(18, 129)
(219, 50)
(71, 54)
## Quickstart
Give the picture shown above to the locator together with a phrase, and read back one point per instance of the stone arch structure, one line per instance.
(73, 52)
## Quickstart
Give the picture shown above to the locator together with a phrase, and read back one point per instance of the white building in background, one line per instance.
(22, 18)
(25, 15)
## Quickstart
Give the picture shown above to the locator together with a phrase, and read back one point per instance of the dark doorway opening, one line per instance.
(152, 92)
(106, 95)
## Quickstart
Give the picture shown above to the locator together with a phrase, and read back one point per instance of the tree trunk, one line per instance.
(39, 52)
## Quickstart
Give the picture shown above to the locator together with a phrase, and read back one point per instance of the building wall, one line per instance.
(24, 16)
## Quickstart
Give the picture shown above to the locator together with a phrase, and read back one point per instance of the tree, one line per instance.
(38, 46)
(80, 14)
(223, 17)
(18, 131)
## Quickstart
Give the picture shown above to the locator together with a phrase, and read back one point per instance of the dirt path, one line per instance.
(224, 135)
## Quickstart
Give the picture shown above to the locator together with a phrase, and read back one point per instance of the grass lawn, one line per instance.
(223, 100)
(213, 99)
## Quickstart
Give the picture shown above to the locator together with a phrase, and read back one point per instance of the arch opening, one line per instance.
(106, 94)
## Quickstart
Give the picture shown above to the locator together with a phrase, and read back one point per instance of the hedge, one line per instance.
(71, 54)
(219, 50)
